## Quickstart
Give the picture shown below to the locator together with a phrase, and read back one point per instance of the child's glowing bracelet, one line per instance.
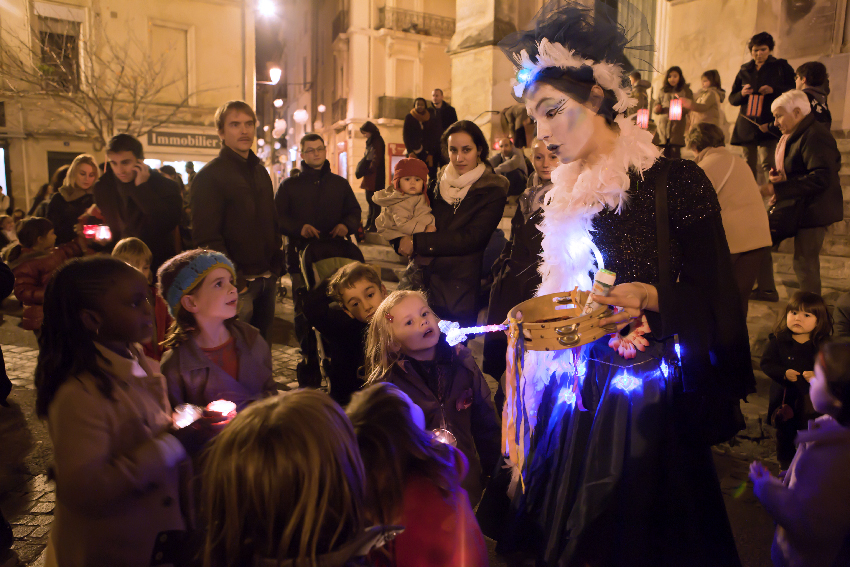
(455, 334)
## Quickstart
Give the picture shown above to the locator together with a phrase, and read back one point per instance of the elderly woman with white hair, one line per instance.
(806, 181)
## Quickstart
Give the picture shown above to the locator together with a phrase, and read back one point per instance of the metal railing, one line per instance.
(339, 110)
(415, 22)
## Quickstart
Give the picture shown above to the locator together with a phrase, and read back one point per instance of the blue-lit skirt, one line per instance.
(615, 484)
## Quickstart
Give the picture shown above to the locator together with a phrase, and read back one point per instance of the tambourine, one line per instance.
(556, 321)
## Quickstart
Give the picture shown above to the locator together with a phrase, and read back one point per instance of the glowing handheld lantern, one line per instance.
(676, 109)
(185, 415)
(224, 407)
(642, 119)
(455, 334)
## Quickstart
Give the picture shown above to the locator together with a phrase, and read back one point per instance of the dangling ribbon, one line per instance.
(514, 414)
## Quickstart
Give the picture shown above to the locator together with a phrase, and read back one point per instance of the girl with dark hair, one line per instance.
(116, 455)
(45, 194)
(467, 200)
(670, 133)
(610, 441)
(33, 260)
(809, 504)
(413, 480)
(373, 170)
(706, 106)
(789, 360)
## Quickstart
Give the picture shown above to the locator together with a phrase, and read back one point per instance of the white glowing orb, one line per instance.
(266, 8)
(278, 103)
(322, 108)
(301, 116)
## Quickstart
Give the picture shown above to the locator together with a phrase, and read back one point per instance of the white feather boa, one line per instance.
(578, 194)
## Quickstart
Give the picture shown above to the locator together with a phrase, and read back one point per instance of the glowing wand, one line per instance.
(455, 334)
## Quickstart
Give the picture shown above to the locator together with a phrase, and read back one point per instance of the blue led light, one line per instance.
(581, 369)
(523, 76)
(665, 370)
(678, 350)
(567, 396)
(625, 382)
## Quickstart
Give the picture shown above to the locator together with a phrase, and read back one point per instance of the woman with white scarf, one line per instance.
(467, 201)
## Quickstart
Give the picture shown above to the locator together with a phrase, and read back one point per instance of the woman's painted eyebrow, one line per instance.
(547, 100)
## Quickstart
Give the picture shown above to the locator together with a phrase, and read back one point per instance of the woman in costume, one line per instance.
(617, 469)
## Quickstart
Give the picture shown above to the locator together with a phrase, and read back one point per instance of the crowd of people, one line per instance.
(173, 445)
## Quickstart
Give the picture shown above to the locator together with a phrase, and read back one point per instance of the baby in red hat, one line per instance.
(405, 210)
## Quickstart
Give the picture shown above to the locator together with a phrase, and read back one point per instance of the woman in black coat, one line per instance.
(374, 171)
(467, 201)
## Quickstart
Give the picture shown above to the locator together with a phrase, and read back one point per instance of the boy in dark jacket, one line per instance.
(811, 78)
(340, 308)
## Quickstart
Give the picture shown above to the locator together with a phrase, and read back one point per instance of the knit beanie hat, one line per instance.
(410, 167)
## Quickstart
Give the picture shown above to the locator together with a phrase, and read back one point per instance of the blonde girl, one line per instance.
(403, 347)
(284, 481)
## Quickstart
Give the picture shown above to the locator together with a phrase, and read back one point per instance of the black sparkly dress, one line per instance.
(619, 483)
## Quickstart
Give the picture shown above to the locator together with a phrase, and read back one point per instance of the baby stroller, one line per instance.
(319, 260)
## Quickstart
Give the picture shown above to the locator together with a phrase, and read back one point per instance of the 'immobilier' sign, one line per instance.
(183, 140)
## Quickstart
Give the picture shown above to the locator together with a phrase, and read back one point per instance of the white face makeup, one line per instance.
(563, 124)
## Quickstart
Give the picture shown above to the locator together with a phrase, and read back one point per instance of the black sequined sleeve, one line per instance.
(703, 307)
(690, 195)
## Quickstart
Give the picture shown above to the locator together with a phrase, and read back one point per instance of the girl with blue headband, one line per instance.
(213, 356)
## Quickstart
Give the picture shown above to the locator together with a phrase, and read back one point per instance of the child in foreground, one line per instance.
(406, 212)
(404, 348)
(137, 254)
(116, 455)
(34, 260)
(357, 290)
(810, 504)
(789, 360)
(283, 485)
(413, 480)
(213, 356)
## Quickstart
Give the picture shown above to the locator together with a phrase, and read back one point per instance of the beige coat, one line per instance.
(742, 208)
(401, 214)
(671, 132)
(706, 107)
(116, 467)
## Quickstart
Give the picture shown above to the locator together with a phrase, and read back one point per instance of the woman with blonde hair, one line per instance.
(73, 198)
(283, 485)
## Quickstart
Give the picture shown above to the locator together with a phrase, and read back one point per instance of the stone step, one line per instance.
(834, 269)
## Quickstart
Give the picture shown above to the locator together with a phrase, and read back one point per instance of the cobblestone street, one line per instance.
(27, 496)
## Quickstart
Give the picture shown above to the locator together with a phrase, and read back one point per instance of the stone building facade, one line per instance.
(204, 55)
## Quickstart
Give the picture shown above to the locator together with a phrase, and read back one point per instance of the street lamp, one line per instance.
(300, 116)
(274, 74)
(266, 8)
